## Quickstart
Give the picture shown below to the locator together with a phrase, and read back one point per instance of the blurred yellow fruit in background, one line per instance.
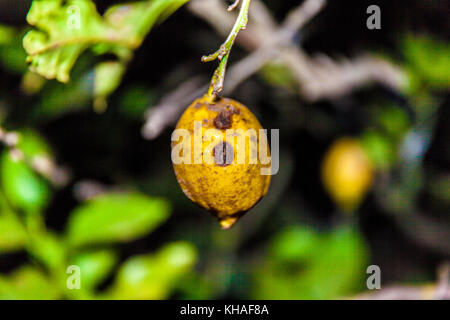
(347, 173)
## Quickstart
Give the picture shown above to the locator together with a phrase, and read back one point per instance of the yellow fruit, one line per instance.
(221, 173)
(347, 173)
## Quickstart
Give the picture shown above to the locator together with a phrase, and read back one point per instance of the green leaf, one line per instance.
(278, 74)
(23, 187)
(116, 218)
(153, 276)
(32, 144)
(429, 58)
(57, 99)
(49, 249)
(12, 54)
(135, 100)
(344, 249)
(319, 266)
(107, 78)
(138, 18)
(32, 82)
(394, 121)
(27, 283)
(7, 34)
(380, 149)
(12, 234)
(65, 34)
(95, 266)
(295, 243)
(195, 286)
(68, 28)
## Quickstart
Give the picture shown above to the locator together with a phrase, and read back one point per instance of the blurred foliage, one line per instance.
(299, 260)
(27, 283)
(12, 235)
(295, 244)
(12, 55)
(279, 75)
(96, 225)
(153, 276)
(112, 217)
(25, 189)
(429, 59)
(103, 218)
(96, 266)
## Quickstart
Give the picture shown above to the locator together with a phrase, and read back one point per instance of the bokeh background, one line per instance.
(84, 187)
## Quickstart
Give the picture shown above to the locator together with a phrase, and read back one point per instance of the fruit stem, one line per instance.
(223, 53)
(226, 223)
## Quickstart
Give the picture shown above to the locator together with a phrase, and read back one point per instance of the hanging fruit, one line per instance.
(222, 162)
(224, 173)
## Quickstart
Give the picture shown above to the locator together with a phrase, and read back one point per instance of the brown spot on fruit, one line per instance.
(223, 120)
(225, 117)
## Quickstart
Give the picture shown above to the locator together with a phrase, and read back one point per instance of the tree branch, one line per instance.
(318, 77)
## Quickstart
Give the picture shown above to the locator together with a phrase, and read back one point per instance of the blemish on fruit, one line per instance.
(224, 118)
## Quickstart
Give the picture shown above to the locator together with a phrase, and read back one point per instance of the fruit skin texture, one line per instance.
(227, 191)
(347, 173)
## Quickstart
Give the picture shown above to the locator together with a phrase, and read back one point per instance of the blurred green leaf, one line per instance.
(12, 234)
(278, 74)
(429, 58)
(32, 144)
(294, 244)
(340, 268)
(153, 276)
(49, 249)
(66, 29)
(135, 20)
(135, 101)
(393, 120)
(12, 54)
(95, 266)
(107, 78)
(311, 266)
(116, 217)
(7, 34)
(413, 81)
(23, 187)
(196, 286)
(380, 149)
(57, 99)
(32, 82)
(27, 283)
